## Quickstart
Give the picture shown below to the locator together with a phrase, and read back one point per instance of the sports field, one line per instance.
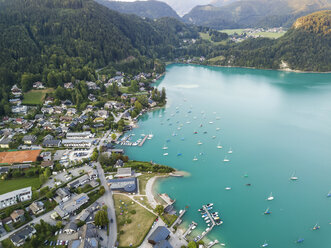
(19, 156)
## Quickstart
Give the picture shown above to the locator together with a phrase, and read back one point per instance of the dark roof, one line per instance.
(22, 234)
(163, 244)
(51, 142)
(125, 184)
(160, 233)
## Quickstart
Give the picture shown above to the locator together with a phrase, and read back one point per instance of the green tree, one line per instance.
(101, 218)
(192, 244)
(159, 209)
(113, 136)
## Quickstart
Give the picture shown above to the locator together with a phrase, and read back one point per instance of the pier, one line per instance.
(143, 141)
(190, 228)
(179, 219)
(211, 244)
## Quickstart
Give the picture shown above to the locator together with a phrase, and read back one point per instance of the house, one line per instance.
(87, 238)
(49, 100)
(102, 114)
(124, 172)
(68, 85)
(38, 85)
(37, 207)
(124, 96)
(20, 109)
(77, 143)
(20, 236)
(92, 97)
(29, 139)
(13, 197)
(52, 143)
(47, 156)
(126, 185)
(79, 135)
(16, 101)
(161, 233)
(47, 164)
(67, 208)
(71, 111)
(133, 100)
(92, 86)
(7, 221)
(64, 194)
(48, 137)
(39, 117)
(151, 103)
(17, 215)
(93, 174)
(4, 142)
(17, 92)
(119, 163)
(70, 228)
(79, 182)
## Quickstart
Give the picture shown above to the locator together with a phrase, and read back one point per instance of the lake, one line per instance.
(278, 125)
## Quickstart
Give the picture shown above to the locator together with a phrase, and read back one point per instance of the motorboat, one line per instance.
(226, 159)
(195, 158)
(270, 198)
(165, 154)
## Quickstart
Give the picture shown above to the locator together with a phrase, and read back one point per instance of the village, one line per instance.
(65, 184)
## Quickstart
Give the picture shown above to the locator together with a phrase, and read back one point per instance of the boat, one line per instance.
(265, 244)
(195, 132)
(210, 208)
(293, 177)
(150, 136)
(300, 240)
(226, 159)
(213, 137)
(179, 154)
(329, 194)
(267, 211)
(270, 198)
(219, 146)
(205, 132)
(217, 129)
(211, 122)
(228, 188)
(165, 154)
(316, 227)
(207, 221)
(210, 205)
(206, 218)
(201, 209)
(195, 158)
(164, 147)
(230, 151)
(217, 118)
(204, 215)
(214, 213)
(199, 143)
(193, 227)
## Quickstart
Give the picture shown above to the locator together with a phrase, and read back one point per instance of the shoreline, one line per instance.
(255, 68)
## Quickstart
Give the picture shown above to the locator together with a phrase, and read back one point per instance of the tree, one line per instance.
(47, 172)
(113, 136)
(101, 218)
(59, 224)
(102, 191)
(42, 179)
(192, 244)
(159, 209)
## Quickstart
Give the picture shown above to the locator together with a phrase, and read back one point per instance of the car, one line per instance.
(51, 243)
(111, 220)
(67, 242)
(56, 233)
(100, 238)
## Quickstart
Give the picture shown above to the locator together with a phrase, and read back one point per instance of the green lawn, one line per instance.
(271, 35)
(18, 183)
(132, 228)
(206, 36)
(35, 97)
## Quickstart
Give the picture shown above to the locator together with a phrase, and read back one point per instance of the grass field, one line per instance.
(35, 97)
(133, 233)
(206, 36)
(143, 179)
(18, 183)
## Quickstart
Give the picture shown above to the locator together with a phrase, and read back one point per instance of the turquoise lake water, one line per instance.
(277, 124)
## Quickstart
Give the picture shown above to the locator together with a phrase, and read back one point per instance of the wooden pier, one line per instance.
(204, 233)
(178, 219)
(143, 141)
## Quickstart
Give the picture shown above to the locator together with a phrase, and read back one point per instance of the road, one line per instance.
(108, 197)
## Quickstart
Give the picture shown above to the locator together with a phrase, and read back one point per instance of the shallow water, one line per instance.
(277, 124)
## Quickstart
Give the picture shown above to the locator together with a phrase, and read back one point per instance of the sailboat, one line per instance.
(199, 143)
(329, 194)
(230, 151)
(293, 177)
(226, 159)
(300, 240)
(219, 145)
(316, 227)
(267, 211)
(164, 147)
(270, 198)
(265, 244)
(165, 154)
(217, 129)
(195, 158)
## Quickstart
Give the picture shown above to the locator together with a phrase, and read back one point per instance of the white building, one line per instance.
(80, 135)
(77, 143)
(13, 197)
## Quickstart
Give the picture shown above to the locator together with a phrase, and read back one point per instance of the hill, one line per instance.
(57, 41)
(149, 9)
(306, 47)
(253, 13)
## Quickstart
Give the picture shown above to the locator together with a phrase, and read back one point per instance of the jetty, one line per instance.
(143, 141)
(211, 244)
(190, 228)
(213, 224)
(179, 219)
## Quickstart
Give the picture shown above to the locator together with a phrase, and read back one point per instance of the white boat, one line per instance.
(213, 137)
(265, 244)
(199, 143)
(206, 218)
(211, 122)
(228, 188)
(217, 118)
(217, 129)
(270, 198)
(207, 221)
(226, 159)
(164, 147)
(195, 158)
(188, 122)
(230, 151)
(293, 177)
(219, 145)
(165, 154)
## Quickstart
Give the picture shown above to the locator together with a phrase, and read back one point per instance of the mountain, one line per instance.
(306, 47)
(182, 7)
(149, 9)
(253, 13)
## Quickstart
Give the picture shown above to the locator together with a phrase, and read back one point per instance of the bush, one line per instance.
(121, 232)
(133, 211)
(128, 221)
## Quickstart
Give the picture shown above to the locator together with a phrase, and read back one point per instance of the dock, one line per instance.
(190, 228)
(179, 219)
(211, 244)
(143, 141)
(213, 224)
